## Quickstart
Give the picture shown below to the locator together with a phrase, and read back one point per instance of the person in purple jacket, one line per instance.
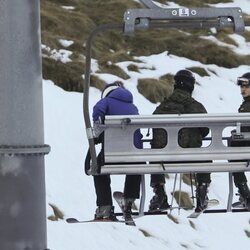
(115, 100)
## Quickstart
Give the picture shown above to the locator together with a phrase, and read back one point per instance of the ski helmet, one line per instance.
(184, 79)
(110, 87)
(244, 80)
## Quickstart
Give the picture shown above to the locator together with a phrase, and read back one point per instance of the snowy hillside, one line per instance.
(73, 192)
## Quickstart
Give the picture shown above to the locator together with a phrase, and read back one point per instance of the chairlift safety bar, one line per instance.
(121, 156)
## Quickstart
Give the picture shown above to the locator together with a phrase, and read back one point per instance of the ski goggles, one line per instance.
(241, 81)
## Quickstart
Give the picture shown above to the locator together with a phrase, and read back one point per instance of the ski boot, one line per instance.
(244, 195)
(105, 213)
(201, 197)
(159, 202)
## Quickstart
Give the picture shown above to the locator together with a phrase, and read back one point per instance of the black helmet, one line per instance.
(244, 80)
(110, 87)
(184, 79)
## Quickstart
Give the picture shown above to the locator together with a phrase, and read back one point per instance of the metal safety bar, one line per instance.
(122, 157)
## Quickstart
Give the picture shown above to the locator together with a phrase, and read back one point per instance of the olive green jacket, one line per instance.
(245, 107)
(180, 102)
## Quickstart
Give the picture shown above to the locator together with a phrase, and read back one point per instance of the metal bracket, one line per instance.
(90, 133)
(141, 18)
(24, 150)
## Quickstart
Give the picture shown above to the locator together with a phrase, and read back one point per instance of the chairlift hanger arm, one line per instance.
(89, 129)
(149, 4)
(141, 18)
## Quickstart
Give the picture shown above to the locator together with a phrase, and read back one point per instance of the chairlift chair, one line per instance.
(125, 158)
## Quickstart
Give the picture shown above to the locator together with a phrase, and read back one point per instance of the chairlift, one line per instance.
(124, 158)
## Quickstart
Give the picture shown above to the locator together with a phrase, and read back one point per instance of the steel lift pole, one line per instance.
(22, 149)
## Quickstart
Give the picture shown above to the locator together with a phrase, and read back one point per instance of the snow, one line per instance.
(72, 191)
(62, 55)
(65, 43)
(68, 7)
(243, 4)
(242, 47)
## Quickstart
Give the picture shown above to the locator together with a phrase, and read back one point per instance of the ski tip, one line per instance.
(237, 204)
(71, 220)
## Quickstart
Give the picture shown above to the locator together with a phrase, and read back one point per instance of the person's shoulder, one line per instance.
(198, 106)
(245, 106)
(101, 102)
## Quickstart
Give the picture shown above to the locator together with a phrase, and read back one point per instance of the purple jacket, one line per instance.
(118, 102)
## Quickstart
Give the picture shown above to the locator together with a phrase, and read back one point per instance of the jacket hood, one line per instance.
(122, 95)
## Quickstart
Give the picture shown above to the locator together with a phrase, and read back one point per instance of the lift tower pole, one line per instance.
(22, 149)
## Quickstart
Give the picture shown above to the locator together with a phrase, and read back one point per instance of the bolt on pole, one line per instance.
(22, 149)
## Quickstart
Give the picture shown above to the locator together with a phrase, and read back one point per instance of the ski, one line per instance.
(211, 203)
(119, 197)
(74, 221)
(195, 215)
(238, 204)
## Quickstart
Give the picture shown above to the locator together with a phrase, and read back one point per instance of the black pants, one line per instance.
(239, 177)
(104, 193)
(160, 178)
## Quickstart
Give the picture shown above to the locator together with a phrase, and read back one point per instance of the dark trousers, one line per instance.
(104, 193)
(239, 178)
(160, 179)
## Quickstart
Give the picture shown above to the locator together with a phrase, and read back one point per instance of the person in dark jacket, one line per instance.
(240, 179)
(115, 100)
(180, 102)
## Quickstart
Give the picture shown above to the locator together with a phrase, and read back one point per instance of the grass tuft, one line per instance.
(156, 90)
(58, 214)
(145, 233)
(174, 219)
(183, 200)
(247, 232)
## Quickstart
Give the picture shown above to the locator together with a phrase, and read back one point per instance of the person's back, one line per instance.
(119, 101)
(115, 100)
(180, 102)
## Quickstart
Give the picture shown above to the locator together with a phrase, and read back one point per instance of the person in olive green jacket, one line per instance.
(180, 102)
(240, 179)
